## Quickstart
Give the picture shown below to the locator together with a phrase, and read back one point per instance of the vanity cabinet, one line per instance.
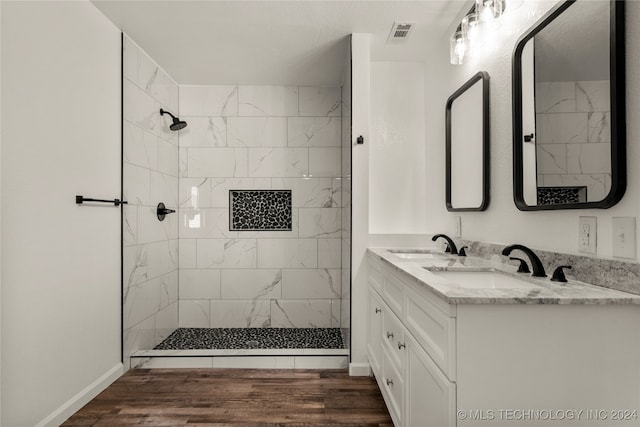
(433, 359)
(402, 325)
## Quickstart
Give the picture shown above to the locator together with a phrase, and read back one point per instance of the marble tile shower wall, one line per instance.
(260, 137)
(150, 176)
(574, 138)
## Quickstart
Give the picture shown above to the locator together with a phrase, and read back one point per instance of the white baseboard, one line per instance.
(70, 407)
(359, 370)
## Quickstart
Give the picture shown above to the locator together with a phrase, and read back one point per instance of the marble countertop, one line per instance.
(542, 290)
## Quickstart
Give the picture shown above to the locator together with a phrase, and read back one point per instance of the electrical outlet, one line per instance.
(624, 237)
(458, 227)
(587, 236)
(584, 240)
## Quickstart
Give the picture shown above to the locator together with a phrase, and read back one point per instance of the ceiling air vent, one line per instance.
(400, 32)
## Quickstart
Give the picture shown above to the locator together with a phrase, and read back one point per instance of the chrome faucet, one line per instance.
(451, 247)
(536, 264)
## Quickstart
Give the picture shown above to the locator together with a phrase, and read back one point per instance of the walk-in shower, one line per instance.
(257, 256)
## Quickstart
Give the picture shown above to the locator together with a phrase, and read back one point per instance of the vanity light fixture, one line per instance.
(476, 26)
(457, 48)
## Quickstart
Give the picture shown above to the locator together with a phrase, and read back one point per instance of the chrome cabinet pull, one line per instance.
(401, 345)
(389, 335)
(378, 310)
(389, 382)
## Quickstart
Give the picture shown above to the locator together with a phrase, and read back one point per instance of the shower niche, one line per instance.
(260, 210)
(257, 255)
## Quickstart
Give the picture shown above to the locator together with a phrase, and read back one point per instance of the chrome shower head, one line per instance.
(177, 123)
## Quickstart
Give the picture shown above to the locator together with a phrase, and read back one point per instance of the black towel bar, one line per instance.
(116, 202)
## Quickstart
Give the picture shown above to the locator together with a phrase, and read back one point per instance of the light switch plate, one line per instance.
(587, 234)
(624, 237)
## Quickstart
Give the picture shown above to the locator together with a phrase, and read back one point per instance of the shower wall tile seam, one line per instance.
(151, 169)
(144, 90)
(127, 162)
(144, 282)
(149, 277)
(150, 133)
(133, 325)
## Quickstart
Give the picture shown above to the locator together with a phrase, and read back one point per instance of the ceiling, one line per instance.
(575, 45)
(274, 42)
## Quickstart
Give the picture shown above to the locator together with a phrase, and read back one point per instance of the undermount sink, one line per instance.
(415, 254)
(483, 280)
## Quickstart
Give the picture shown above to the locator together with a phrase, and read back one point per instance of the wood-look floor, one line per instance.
(236, 397)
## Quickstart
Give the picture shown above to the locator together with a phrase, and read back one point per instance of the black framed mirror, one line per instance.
(467, 146)
(569, 129)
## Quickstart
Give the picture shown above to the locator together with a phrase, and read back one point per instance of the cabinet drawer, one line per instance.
(433, 330)
(393, 337)
(393, 389)
(375, 274)
(393, 292)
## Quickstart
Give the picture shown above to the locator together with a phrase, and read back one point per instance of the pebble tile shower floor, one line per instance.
(252, 338)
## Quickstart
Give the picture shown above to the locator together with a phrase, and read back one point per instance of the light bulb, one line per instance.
(489, 10)
(486, 13)
(457, 48)
(470, 27)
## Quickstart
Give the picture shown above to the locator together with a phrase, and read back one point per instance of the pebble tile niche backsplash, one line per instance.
(555, 195)
(612, 274)
(260, 210)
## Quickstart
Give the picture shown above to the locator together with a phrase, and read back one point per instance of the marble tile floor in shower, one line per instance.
(252, 338)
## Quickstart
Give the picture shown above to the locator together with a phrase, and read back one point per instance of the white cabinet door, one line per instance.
(374, 339)
(433, 329)
(430, 396)
(392, 388)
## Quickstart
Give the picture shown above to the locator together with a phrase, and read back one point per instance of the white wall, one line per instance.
(60, 262)
(502, 223)
(397, 201)
(373, 99)
(360, 98)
